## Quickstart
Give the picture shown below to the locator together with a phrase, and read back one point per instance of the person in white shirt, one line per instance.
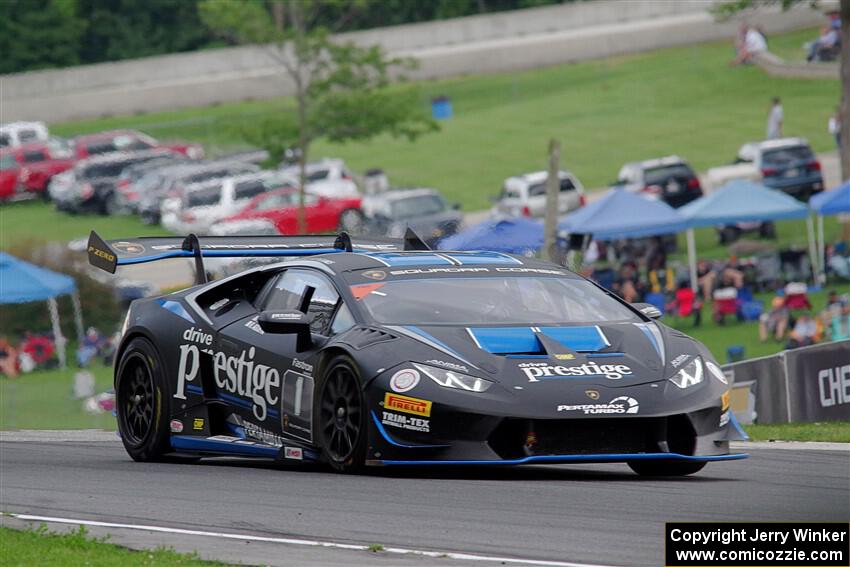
(774, 120)
(834, 126)
(750, 43)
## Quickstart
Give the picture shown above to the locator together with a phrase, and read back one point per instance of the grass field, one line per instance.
(828, 431)
(685, 100)
(39, 546)
(42, 400)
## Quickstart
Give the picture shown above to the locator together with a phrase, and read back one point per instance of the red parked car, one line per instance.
(128, 141)
(26, 170)
(322, 213)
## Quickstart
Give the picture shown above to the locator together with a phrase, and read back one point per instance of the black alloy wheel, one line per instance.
(137, 401)
(342, 416)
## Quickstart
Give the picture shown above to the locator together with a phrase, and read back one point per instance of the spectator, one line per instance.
(834, 302)
(805, 332)
(750, 43)
(686, 303)
(834, 126)
(89, 348)
(775, 119)
(628, 285)
(839, 329)
(8, 358)
(825, 47)
(775, 321)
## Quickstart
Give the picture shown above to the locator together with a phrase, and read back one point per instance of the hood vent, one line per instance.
(523, 340)
(362, 337)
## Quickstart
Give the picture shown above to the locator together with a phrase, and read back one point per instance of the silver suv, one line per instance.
(525, 195)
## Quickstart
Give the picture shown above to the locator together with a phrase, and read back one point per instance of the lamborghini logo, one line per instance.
(592, 394)
(565, 356)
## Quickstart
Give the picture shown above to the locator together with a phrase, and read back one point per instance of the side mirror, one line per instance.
(649, 310)
(456, 206)
(287, 323)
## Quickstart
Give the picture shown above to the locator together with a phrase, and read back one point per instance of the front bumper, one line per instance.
(693, 428)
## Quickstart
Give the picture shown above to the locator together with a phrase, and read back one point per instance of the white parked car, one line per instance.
(13, 134)
(201, 205)
(328, 177)
(525, 195)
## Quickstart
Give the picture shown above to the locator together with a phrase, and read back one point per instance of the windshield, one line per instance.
(417, 206)
(204, 197)
(108, 169)
(661, 175)
(8, 162)
(787, 155)
(489, 300)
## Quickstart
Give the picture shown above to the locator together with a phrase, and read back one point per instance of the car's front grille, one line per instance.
(516, 438)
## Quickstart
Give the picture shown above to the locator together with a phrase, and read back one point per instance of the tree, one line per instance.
(38, 34)
(342, 91)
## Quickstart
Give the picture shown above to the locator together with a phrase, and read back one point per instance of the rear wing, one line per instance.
(109, 254)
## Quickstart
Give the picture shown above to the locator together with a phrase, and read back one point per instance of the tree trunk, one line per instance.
(844, 151)
(301, 99)
(553, 185)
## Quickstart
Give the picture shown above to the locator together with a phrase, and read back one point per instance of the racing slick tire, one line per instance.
(340, 410)
(666, 468)
(142, 402)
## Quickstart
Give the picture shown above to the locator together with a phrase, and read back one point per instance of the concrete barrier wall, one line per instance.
(507, 41)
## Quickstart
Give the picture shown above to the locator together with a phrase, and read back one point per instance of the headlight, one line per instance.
(716, 371)
(454, 379)
(690, 375)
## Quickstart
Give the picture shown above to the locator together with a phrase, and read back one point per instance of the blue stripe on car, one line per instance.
(507, 340)
(206, 445)
(600, 458)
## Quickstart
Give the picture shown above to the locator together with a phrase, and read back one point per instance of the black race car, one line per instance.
(386, 353)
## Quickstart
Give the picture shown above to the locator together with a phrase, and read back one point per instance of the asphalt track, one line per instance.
(591, 514)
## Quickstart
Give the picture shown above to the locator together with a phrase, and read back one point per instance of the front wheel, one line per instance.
(141, 402)
(342, 416)
(666, 468)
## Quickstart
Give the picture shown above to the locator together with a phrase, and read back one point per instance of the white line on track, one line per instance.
(307, 542)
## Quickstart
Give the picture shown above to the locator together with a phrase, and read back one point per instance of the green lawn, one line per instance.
(38, 546)
(685, 100)
(831, 431)
(36, 220)
(42, 400)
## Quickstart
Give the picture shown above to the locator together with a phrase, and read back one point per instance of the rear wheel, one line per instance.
(342, 416)
(666, 468)
(141, 403)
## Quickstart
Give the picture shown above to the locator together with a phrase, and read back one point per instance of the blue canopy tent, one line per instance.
(22, 282)
(833, 202)
(622, 214)
(740, 201)
(511, 235)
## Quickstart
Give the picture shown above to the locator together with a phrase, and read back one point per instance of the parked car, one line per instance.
(170, 181)
(14, 134)
(201, 205)
(329, 177)
(424, 210)
(322, 214)
(525, 195)
(127, 189)
(40, 161)
(27, 169)
(128, 141)
(670, 179)
(92, 188)
(787, 164)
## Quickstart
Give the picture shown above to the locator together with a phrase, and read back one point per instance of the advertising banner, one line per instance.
(819, 382)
